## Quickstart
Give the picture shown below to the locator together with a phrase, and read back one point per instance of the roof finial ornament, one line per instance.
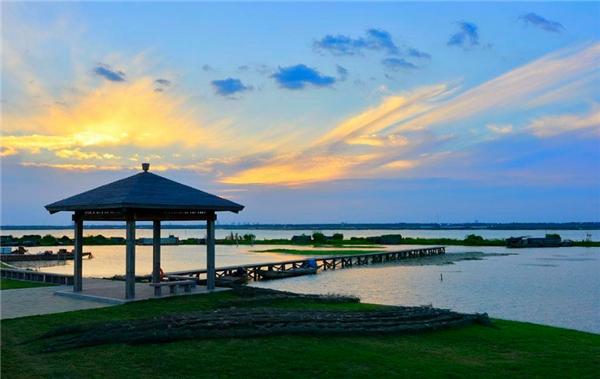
(145, 167)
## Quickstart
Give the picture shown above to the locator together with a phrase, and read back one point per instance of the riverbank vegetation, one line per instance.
(518, 350)
(342, 226)
(317, 239)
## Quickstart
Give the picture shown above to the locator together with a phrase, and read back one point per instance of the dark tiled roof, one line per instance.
(144, 191)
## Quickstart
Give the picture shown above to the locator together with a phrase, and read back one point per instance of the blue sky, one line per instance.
(309, 112)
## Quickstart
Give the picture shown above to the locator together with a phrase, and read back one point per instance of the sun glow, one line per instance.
(130, 114)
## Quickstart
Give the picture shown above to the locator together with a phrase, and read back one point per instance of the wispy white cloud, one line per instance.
(500, 128)
(515, 89)
(549, 126)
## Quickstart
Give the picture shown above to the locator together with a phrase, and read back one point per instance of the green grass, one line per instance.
(514, 349)
(10, 284)
(586, 243)
(317, 251)
(348, 246)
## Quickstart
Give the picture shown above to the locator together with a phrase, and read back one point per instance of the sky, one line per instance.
(308, 112)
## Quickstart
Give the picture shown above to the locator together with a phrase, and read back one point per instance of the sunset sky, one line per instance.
(346, 112)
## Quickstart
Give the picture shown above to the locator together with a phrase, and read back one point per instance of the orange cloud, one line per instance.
(74, 166)
(400, 164)
(380, 141)
(80, 155)
(392, 110)
(300, 170)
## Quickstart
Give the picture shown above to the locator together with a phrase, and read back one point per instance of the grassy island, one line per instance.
(506, 348)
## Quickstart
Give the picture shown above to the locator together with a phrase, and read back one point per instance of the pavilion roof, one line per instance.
(144, 190)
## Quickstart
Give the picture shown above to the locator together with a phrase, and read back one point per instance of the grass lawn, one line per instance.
(508, 349)
(348, 246)
(10, 284)
(317, 251)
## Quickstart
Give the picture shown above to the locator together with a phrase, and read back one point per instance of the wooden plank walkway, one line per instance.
(323, 263)
(252, 270)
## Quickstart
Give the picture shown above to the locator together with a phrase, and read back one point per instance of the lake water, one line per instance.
(559, 287)
(554, 286)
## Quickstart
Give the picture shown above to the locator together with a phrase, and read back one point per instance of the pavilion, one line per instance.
(143, 197)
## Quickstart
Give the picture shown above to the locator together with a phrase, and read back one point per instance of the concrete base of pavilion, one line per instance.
(113, 291)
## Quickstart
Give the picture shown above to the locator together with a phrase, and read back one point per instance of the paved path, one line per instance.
(97, 293)
(113, 291)
(40, 301)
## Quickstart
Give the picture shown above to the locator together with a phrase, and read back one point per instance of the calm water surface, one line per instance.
(555, 286)
(559, 287)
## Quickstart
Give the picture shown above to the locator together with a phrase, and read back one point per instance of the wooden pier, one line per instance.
(252, 271)
(35, 276)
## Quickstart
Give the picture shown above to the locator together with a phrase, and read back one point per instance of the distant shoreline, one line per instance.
(339, 226)
(317, 239)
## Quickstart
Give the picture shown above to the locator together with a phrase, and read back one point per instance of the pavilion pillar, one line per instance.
(78, 254)
(130, 260)
(156, 255)
(210, 252)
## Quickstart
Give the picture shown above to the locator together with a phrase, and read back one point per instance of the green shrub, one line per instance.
(319, 237)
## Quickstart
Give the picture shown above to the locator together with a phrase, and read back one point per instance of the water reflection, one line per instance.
(556, 286)
(110, 260)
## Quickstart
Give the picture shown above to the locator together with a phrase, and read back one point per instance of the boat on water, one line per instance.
(226, 281)
(240, 276)
(20, 255)
(275, 274)
(170, 240)
(551, 240)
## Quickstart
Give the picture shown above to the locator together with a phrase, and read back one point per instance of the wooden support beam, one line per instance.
(210, 254)
(146, 215)
(78, 254)
(156, 256)
(130, 260)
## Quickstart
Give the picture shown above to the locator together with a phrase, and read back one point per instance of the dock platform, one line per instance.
(252, 271)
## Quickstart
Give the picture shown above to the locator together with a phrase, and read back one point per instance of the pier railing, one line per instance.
(323, 263)
(35, 276)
